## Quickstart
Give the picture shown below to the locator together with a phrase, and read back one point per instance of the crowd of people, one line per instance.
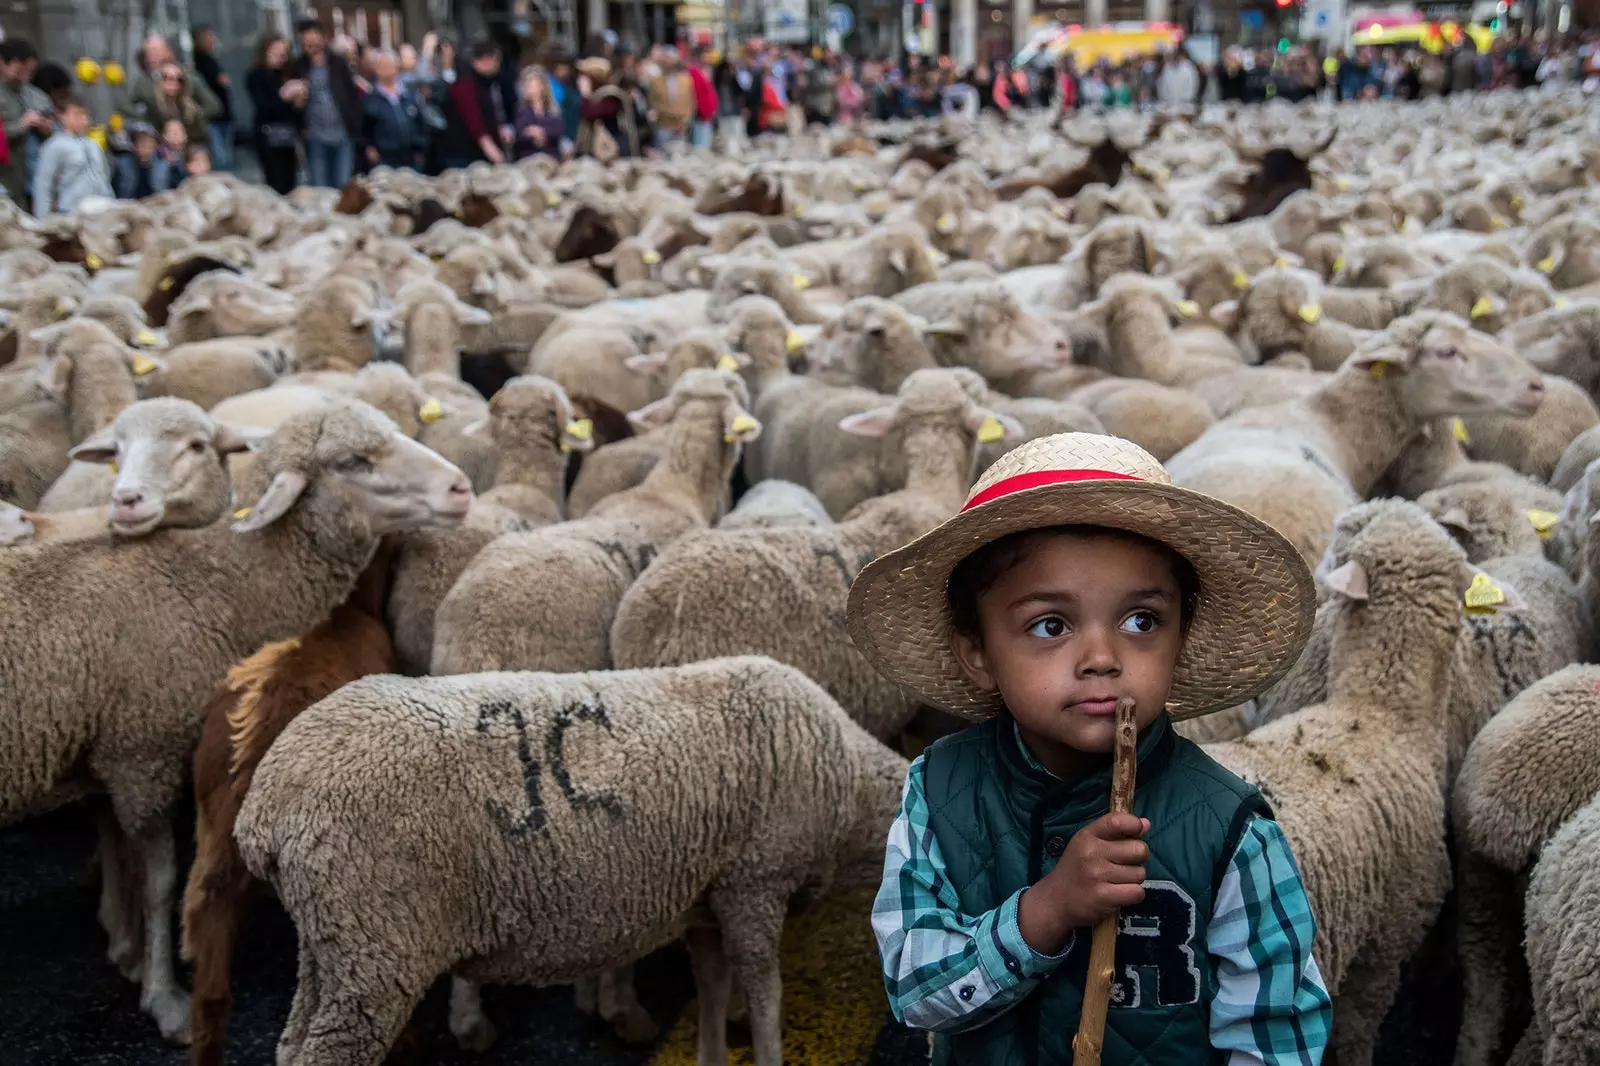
(322, 109)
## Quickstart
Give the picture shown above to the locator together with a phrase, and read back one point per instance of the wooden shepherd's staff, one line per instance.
(1103, 948)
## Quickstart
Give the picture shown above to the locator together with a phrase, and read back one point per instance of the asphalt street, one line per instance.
(62, 1004)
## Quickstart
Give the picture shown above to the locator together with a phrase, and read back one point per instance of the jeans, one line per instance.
(700, 134)
(221, 138)
(329, 164)
(665, 138)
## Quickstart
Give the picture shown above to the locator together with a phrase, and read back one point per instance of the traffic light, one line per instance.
(1283, 44)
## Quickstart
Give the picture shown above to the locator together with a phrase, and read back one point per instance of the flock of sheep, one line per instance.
(263, 532)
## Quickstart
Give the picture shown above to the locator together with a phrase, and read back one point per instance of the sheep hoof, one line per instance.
(476, 1036)
(171, 1014)
(125, 955)
(635, 1027)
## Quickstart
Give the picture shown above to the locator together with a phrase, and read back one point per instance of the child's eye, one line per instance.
(1049, 628)
(1141, 622)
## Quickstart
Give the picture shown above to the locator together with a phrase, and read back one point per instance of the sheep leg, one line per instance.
(586, 995)
(711, 982)
(1488, 913)
(307, 997)
(213, 904)
(752, 921)
(1365, 997)
(620, 1007)
(361, 1005)
(468, 1024)
(1529, 1050)
(116, 894)
(162, 998)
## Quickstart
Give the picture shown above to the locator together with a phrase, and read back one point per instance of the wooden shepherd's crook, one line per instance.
(1103, 948)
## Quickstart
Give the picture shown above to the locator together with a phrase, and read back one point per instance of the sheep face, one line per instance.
(1567, 252)
(1451, 369)
(1391, 553)
(234, 306)
(1562, 340)
(533, 408)
(391, 481)
(167, 456)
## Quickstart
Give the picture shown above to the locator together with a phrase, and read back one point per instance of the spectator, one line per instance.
(391, 118)
(1231, 79)
(24, 111)
(217, 81)
(851, 98)
(72, 168)
(539, 124)
(705, 100)
(1464, 66)
(752, 79)
(143, 94)
(196, 160)
(731, 113)
(1092, 87)
(610, 129)
(1178, 85)
(672, 102)
(820, 94)
(323, 87)
(406, 57)
(174, 142)
(480, 118)
(56, 83)
(1068, 91)
(1118, 92)
(564, 90)
(142, 172)
(173, 102)
(277, 121)
(1002, 87)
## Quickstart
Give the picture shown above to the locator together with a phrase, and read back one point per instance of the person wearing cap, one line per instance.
(143, 171)
(1076, 576)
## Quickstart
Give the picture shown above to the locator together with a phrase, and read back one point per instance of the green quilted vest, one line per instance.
(1002, 823)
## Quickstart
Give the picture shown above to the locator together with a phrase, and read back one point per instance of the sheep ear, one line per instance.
(646, 364)
(1552, 260)
(993, 427)
(1455, 518)
(467, 315)
(478, 430)
(949, 327)
(1377, 359)
(141, 363)
(281, 495)
(653, 415)
(605, 259)
(898, 262)
(741, 426)
(55, 375)
(874, 423)
(1487, 594)
(1349, 581)
(14, 524)
(362, 317)
(101, 448)
(1226, 315)
(230, 439)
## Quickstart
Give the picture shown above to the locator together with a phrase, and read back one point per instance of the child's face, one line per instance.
(1078, 623)
(75, 120)
(174, 136)
(144, 146)
(199, 163)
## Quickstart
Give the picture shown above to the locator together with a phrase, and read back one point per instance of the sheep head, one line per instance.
(1445, 367)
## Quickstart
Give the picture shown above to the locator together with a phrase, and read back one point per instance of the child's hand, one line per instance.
(1102, 869)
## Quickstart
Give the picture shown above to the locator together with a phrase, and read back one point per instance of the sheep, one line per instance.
(338, 326)
(775, 504)
(1563, 250)
(1357, 780)
(1584, 449)
(986, 328)
(667, 618)
(750, 750)
(1487, 522)
(1564, 340)
(433, 319)
(1562, 924)
(124, 317)
(258, 699)
(1531, 768)
(1534, 446)
(208, 372)
(49, 300)
(499, 615)
(1300, 463)
(533, 429)
(339, 478)
(1489, 293)
(1281, 311)
(221, 304)
(754, 277)
(1115, 246)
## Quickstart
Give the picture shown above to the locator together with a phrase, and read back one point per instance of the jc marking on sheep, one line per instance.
(534, 817)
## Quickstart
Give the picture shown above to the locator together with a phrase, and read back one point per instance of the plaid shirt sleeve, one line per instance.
(950, 971)
(945, 970)
(1270, 1005)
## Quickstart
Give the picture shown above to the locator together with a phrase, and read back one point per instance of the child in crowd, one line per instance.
(72, 168)
(1077, 575)
(196, 160)
(142, 172)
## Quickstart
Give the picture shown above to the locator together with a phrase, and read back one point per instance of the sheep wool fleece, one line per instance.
(1001, 824)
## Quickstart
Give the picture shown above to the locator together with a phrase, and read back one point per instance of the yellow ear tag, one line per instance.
(1483, 307)
(552, 200)
(115, 469)
(800, 282)
(1561, 302)
(1497, 223)
(147, 338)
(1310, 313)
(431, 411)
(946, 224)
(1516, 202)
(1280, 262)
(1547, 265)
(582, 429)
(1188, 308)
(1483, 594)
(799, 212)
(1338, 263)
(1544, 523)
(794, 341)
(93, 262)
(142, 366)
(651, 257)
(1241, 280)
(991, 431)
(165, 284)
(241, 513)
(1343, 184)
(741, 424)
(1458, 428)
(728, 363)
(1378, 370)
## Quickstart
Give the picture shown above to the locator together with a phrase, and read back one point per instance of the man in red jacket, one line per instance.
(705, 99)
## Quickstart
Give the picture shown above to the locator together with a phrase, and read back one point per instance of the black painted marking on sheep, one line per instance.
(622, 554)
(555, 754)
(534, 817)
(554, 747)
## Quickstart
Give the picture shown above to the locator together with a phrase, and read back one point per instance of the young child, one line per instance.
(1076, 575)
(141, 172)
(72, 168)
(196, 160)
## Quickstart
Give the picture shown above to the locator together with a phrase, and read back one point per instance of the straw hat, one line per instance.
(1252, 613)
